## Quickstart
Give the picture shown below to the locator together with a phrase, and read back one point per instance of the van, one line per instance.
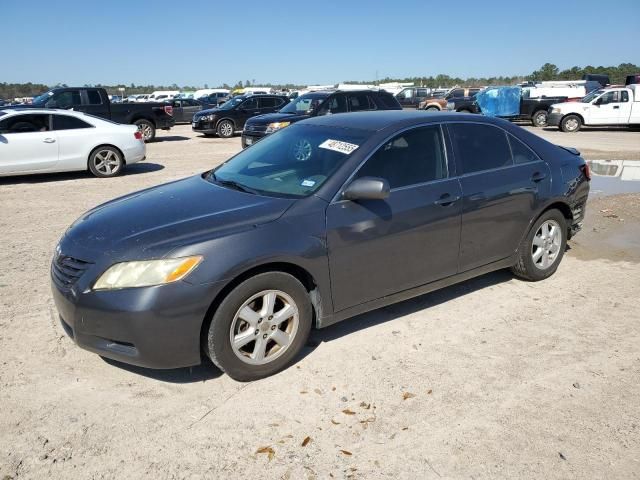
(163, 95)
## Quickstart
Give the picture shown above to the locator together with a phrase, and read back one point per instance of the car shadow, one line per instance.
(135, 169)
(406, 307)
(198, 373)
(170, 138)
(585, 129)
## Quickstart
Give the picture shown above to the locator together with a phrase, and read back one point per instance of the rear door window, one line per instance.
(67, 122)
(520, 152)
(358, 102)
(480, 147)
(267, 102)
(94, 97)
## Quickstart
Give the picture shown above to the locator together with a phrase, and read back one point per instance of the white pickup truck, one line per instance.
(609, 106)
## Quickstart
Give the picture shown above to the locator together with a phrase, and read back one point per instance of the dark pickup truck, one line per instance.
(147, 116)
(533, 109)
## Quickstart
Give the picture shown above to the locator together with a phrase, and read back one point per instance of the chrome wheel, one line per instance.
(264, 327)
(540, 119)
(571, 124)
(302, 150)
(546, 244)
(107, 162)
(146, 130)
(226, 129)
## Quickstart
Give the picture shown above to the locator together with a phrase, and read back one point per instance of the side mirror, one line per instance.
(367, 188)
(598, 101)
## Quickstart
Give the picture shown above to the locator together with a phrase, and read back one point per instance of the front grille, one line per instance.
(255, 128)
(66, 271)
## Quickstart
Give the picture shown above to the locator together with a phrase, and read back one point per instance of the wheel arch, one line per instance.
(137, 117)
(228, 119)
(296, 271)
(571, 113)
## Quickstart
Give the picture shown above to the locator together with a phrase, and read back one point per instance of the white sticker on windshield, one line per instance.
(338, 146)
(308, 183)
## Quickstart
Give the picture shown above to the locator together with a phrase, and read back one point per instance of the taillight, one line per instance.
(586, 170)
(168, 109)
(138, 135)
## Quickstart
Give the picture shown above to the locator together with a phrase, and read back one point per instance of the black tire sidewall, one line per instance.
(219, 345)
(535, 117)
(564, 121)
(219, 129)
(98, 173)
(534, 272)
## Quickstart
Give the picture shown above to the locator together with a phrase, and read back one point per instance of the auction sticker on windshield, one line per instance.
(338, 146)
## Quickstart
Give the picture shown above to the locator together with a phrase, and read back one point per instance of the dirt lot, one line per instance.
(492, 378)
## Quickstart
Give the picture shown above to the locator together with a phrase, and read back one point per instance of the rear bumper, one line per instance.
(135, 154)
(553, 119)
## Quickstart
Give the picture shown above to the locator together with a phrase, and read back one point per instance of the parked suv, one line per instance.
(440, 103)
(314, 104)
(411, 97)
(231, 116)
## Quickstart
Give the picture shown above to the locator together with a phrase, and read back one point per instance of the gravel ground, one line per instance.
(491, 378)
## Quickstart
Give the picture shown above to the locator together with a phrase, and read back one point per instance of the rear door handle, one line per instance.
(446, 200)
(538, 177)
(615, 107)
(49, 140)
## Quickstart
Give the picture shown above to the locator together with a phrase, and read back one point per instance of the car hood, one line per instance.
(276, 117)
(152, 222)
(209, 111)
(566, 107)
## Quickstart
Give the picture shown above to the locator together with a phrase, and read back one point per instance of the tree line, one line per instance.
(548, 71)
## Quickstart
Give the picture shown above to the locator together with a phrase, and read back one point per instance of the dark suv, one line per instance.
(229, 117)
(315, 104)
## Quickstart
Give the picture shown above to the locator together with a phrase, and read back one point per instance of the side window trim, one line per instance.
(336, 198)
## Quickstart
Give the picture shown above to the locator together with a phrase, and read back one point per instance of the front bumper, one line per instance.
(203, 127)
(155, 327)
(249, 139)
(553, 119)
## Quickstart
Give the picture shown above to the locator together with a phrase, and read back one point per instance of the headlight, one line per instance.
(450, 106)
(146, 273)
(208, 118)
(555, 110)
(272, 127)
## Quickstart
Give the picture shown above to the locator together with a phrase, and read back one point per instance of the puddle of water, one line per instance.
(610, 177)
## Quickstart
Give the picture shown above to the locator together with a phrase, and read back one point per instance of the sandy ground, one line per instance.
(492, 378)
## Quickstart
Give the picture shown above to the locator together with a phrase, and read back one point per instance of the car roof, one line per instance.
(378, 120)
(43, 111)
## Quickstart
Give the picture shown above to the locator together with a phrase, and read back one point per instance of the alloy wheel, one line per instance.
(264, 327)
(546, 244)
(226, 129)
(106, 162)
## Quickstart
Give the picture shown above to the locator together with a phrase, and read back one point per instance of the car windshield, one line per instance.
(590, 96)
(305, 103)
(229, 104)
(293, 162)
(42, 99)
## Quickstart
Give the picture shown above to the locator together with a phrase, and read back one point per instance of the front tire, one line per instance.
(260, 327)
(226, 129)
(105, 162)
(570, 124)
(541, 251)
(432, 109)
(147, 129)
(539, 118)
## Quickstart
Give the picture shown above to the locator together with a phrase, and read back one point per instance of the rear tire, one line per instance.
(570, 124)
(245, 315)
(106, 162)
(539, 118)
(226, 129)
(147, 129)
(541, 251)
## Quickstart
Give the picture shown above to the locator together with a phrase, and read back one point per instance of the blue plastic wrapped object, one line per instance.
(499, 101)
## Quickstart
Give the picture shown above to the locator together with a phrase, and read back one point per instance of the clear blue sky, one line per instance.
(281, 41)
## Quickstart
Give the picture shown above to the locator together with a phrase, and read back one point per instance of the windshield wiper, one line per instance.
(233, 184)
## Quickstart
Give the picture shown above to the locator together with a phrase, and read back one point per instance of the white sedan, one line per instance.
(47, 140)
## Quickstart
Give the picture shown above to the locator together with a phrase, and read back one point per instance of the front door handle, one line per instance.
(49, 140)
(616, 107)
(538, 177)
(446, 199)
